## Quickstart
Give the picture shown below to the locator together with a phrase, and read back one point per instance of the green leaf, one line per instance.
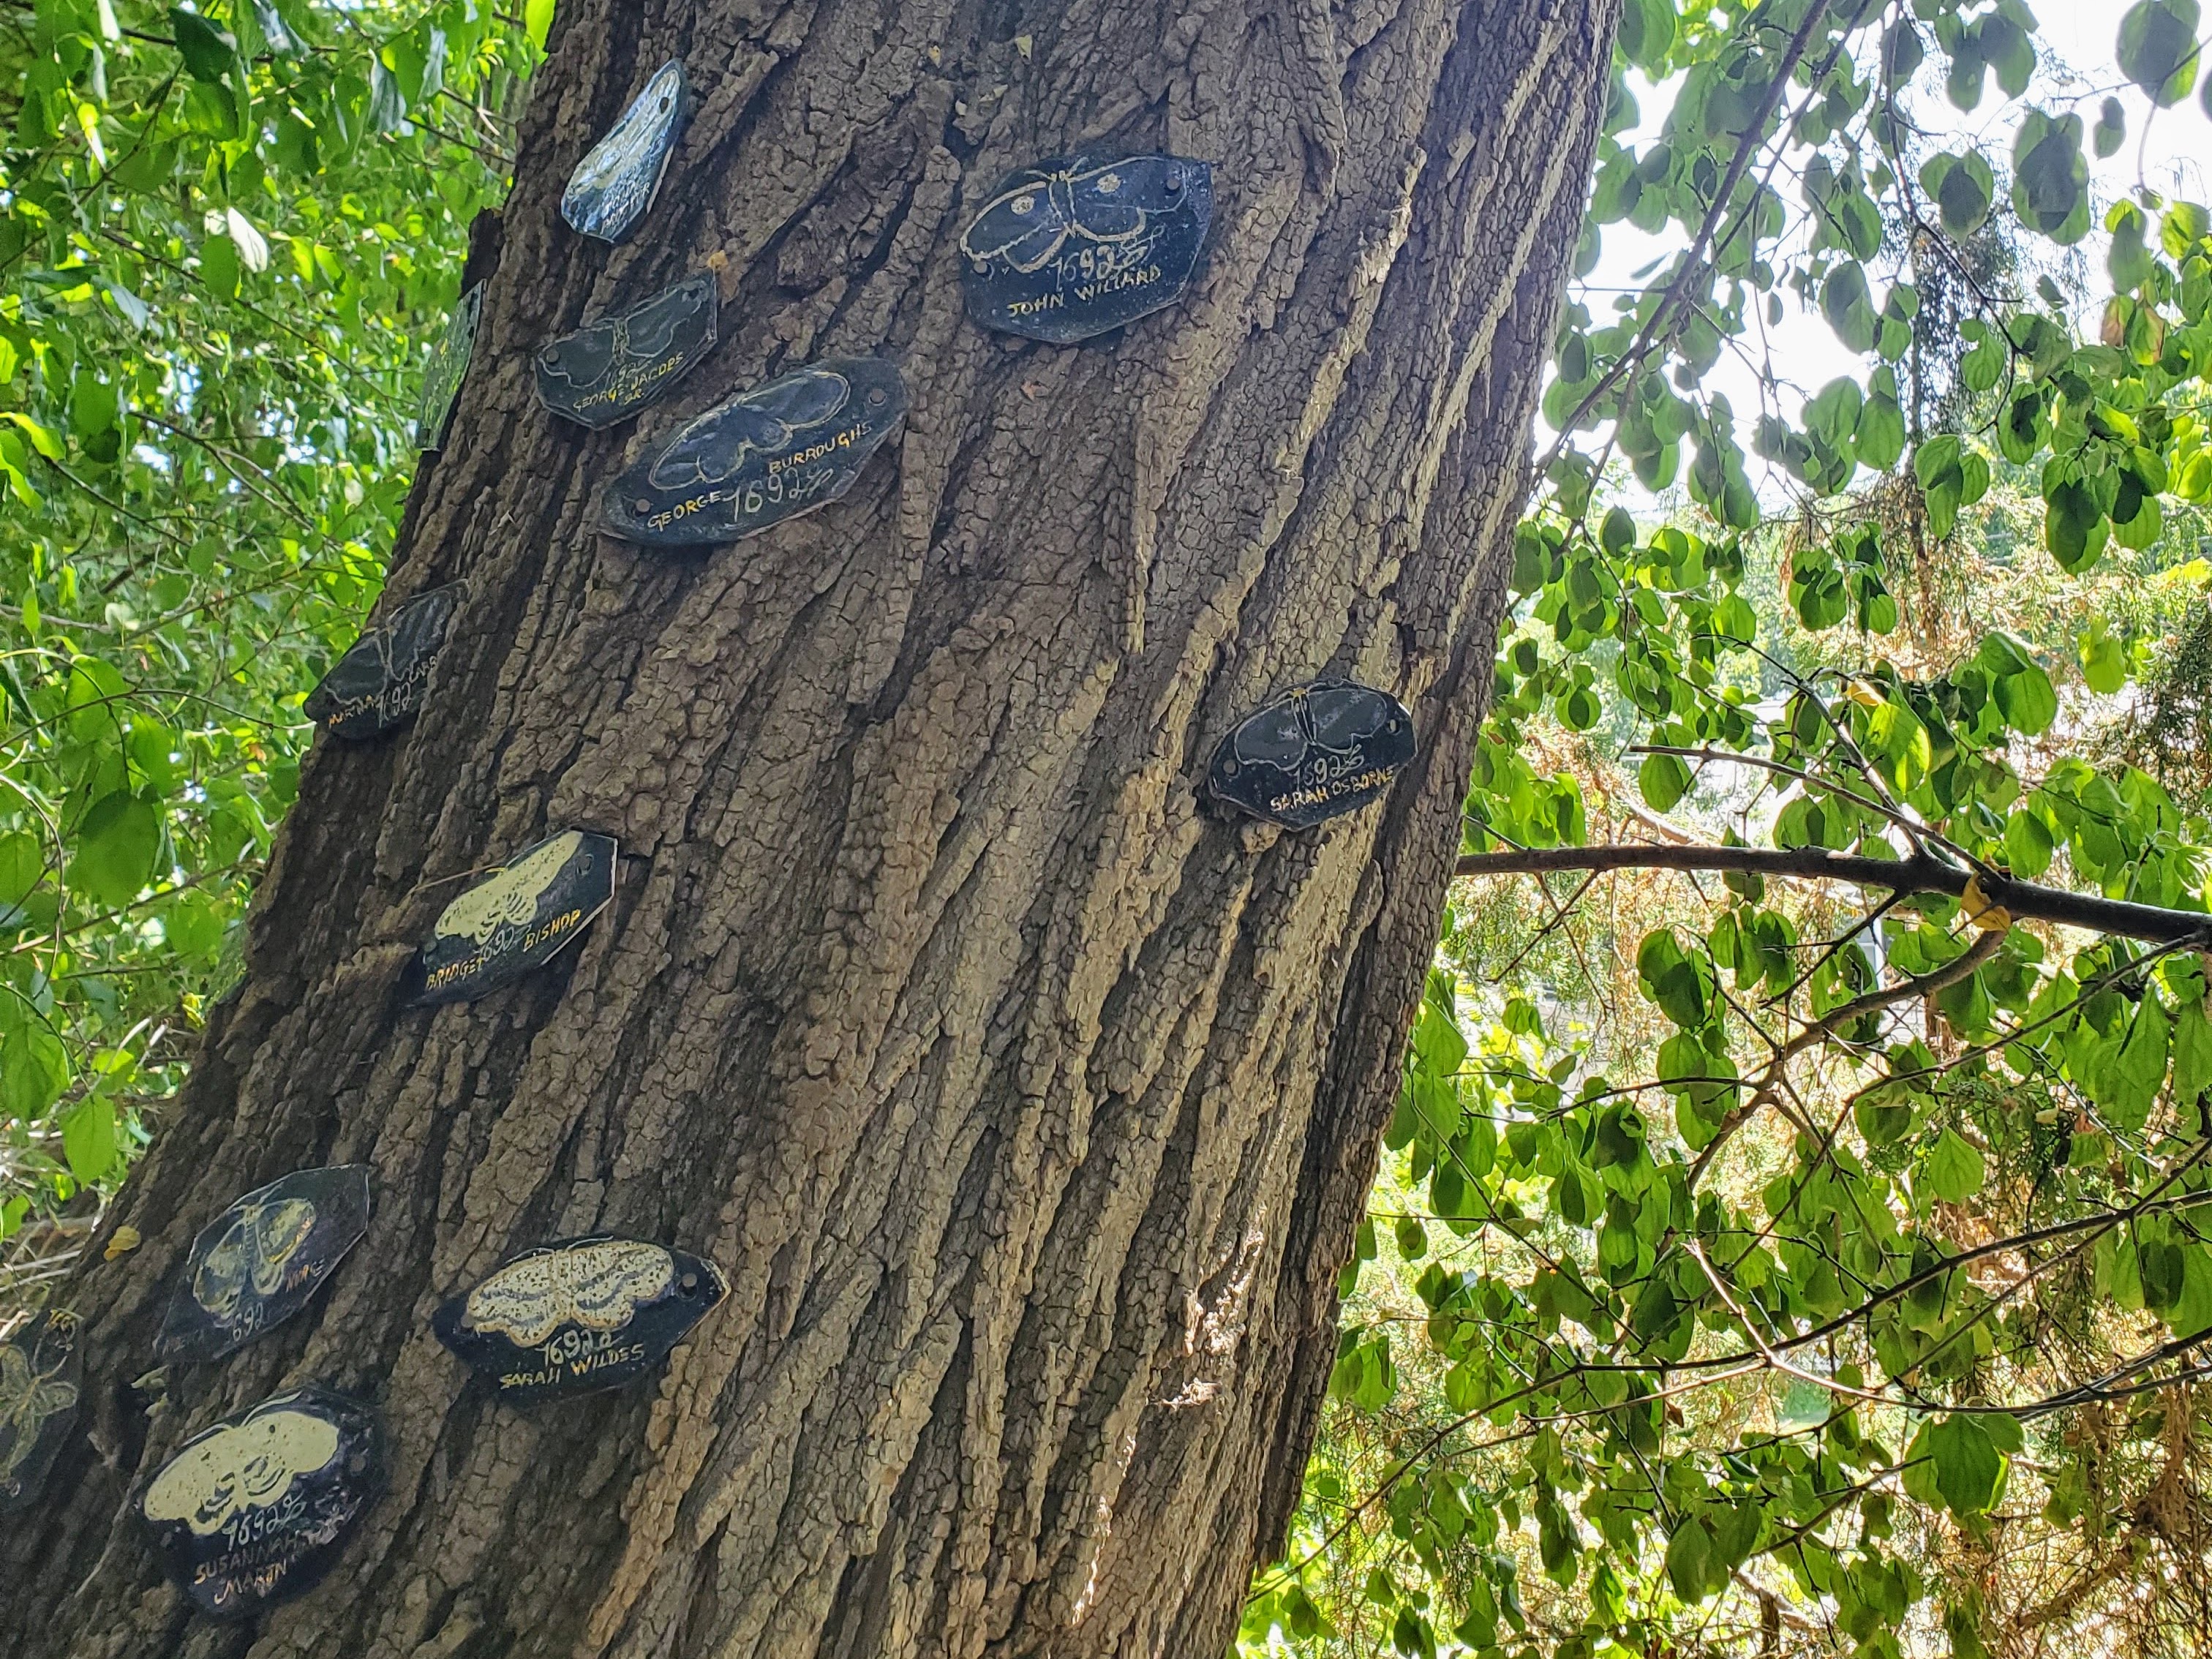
(537, 21)
(1664, 780)
(89, 1139)
(34, 1067)
(116, 847)
(1968, 1466)
(2158, 48)
(208, 51)
(2051, 177)
(1953, 1169)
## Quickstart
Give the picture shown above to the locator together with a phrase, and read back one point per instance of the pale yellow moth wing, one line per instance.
(509, 895)
(239, 1468)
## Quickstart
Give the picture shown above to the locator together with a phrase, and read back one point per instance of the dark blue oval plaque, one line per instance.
(41, 1387)
(1081, 243)
(782, 449)
(259, 1262)
(607, 371)
(380, 682)
(257, 1508)
(579, 1316)
(1320, 750)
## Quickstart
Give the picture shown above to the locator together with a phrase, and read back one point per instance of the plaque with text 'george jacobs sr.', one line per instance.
(518, 918)
(782, 449)
(41, 1387)
(257, 1508)
(1321, 749)
(380, 682)
(579, 1316)
(259, 1262)
(615, 182)
(1078, 245)
(607, 371)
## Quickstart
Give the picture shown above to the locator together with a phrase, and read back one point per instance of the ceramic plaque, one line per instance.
(607, 371)
(258, 1507)
(519, 917)
(614, 185)
(1320, 750)
(449, 367)
(1081, 243)
(259, 1262)
(380, 682)
(768, 454)
(41, 1386)
(579, 1315)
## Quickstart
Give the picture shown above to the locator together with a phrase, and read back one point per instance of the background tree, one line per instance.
(1029, 1109)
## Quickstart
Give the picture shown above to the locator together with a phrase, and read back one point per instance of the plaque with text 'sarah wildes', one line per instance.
(579, 1315)
(42, 1387)
(1081, 243)
(518, 918)
(608, 370)
(258, 1507)
(771, 454)
(615, 182)
(380, 682)
(1321, 749)
(263, 1259)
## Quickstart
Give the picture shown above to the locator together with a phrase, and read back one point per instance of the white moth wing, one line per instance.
(598, 1286)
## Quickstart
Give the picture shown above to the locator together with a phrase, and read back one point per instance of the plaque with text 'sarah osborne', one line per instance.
(1322, 749)
(518, 918)
(608, 370)
(1081, 243)
(261, 1261)
(258, 1507)
(782, 449)
(41, 1387)
(579, 1315)
(615, 182)
(380, 682)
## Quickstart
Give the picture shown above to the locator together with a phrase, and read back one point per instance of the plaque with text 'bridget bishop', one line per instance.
(770, 453)
(518, 918)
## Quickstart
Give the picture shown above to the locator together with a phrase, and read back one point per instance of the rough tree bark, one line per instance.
(1029, 1110)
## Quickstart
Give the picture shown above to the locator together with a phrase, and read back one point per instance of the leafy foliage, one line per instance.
(226, 241)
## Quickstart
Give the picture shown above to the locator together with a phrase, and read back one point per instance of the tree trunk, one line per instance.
(1029, 1109)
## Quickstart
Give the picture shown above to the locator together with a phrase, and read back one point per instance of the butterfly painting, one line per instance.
(779, 449)
(519, 917)
(263, 1259)
(379, 683)
(614, 185)
(257, 1507)
(1076, 246)
(579, 1315)
(448, 367)
(41, 1386)
(607, 371)
(1322, 749)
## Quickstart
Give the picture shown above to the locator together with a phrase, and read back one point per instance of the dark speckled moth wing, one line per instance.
(263, 1259)
(518, 918)
(449, 367)
(615, 182)
(786, 447)
(41, 1389)
(380, 682)
(256, 1508)
(579, 1315)
(608, 370)
(1078, 245)
(1319, 751)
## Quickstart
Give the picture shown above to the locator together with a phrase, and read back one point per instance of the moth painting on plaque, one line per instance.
(379, 683)
(449, 367)
(768, 454)
(1320, 750)
(579, 1315)
(41, 1385)
(259, 1262)
(256, 1508)
(1081, 243)
(519, 917)
(614, 185)
(608, 370)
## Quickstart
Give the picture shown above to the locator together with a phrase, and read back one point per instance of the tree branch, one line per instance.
(2025, 901)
